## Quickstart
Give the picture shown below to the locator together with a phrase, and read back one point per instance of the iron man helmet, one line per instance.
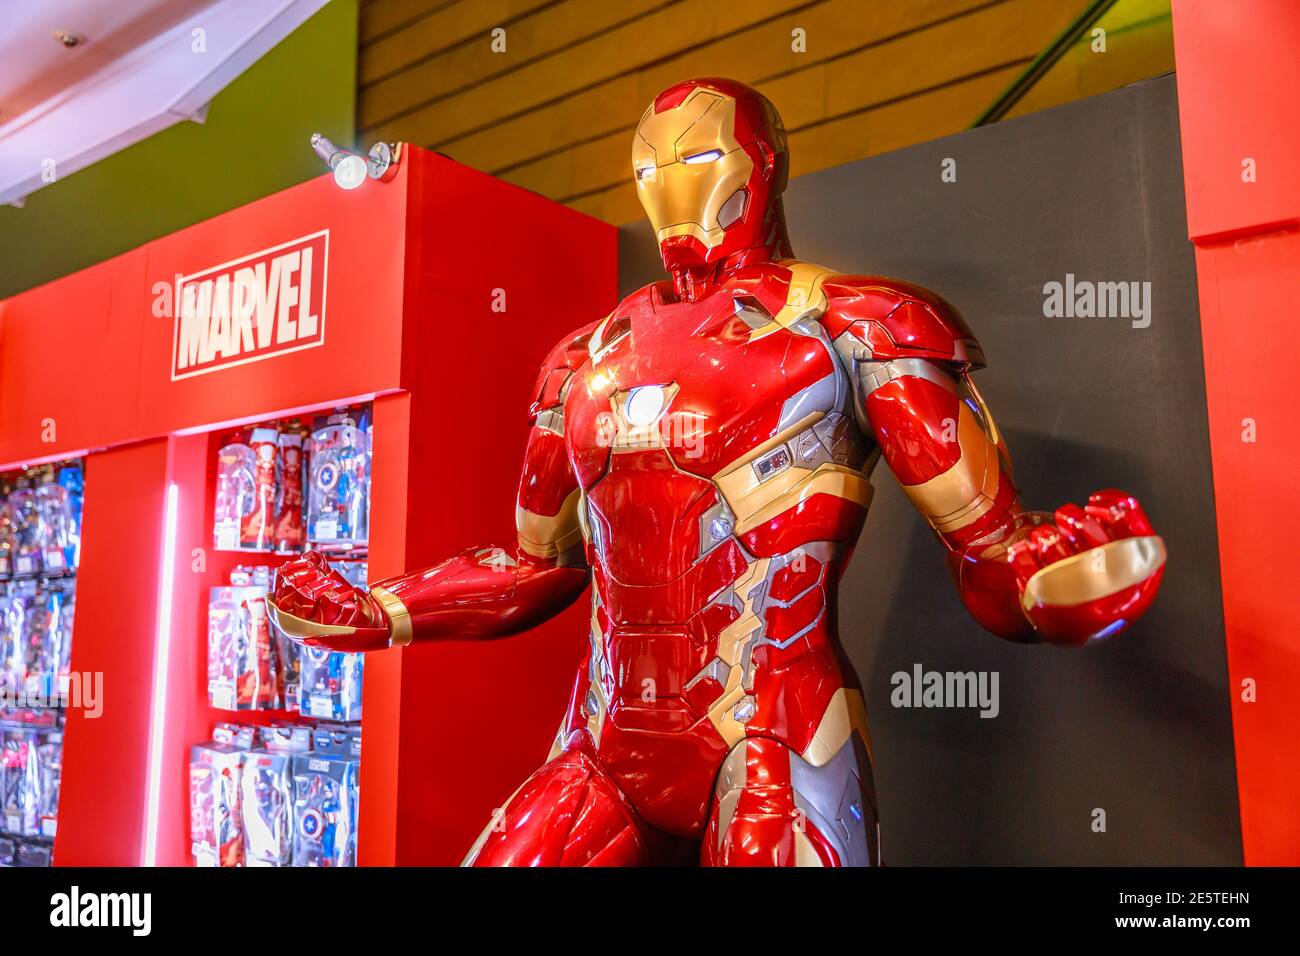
(710, 162)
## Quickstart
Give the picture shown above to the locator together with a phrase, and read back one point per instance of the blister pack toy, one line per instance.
(216, 831)
(290, 529)
(21, 782)
(289, 671)
(266, 809)
(32, 854)
(38, 676)
(50, 769)
(17, 613)
(236, 494)
(325, 809)
(60, 530)
(7, 539)
(73, 480)
(26, 521)
(338, 498)
(258, 526)
(331, 684)
(46, 643)
(241, 657)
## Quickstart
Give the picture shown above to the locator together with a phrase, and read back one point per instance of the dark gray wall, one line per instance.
(1138, 726)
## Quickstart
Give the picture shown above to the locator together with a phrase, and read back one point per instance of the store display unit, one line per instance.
(278, 782)
(437, 261)
(40, 549)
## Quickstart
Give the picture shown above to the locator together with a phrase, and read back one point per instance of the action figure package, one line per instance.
(32, 854)
(241, 658)
(72, 479)
(7, 540)
(58, 502)
(243, 575)
(20, 783)
(49, 753)
(26, 522)
(331, 684)
(266, 807)
(216, 767)
(325, 790)
(339, 740)
(290, 529)
(236, 494)
(48, 644)
(289, 671)
(258, 527)
(285, 738)
(15, 609)
(338, 498)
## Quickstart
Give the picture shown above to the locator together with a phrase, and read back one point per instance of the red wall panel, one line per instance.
(102, 796)
(1238, 76)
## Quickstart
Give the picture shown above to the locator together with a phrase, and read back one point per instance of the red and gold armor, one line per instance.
(701, 458)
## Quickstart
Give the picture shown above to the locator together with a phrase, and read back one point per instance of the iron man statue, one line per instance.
(700, 457)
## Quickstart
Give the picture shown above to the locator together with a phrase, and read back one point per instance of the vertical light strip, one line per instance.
(161, 654)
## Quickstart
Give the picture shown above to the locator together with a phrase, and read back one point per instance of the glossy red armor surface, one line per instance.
(702, 456)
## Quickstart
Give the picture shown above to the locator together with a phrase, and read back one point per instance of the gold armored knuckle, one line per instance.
(1096, 573)
(297, 628)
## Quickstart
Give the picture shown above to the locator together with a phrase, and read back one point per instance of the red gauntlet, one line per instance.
(480, 593)
(313, 604)
(1083, 574)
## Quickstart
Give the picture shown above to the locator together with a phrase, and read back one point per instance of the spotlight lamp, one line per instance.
(352, 169)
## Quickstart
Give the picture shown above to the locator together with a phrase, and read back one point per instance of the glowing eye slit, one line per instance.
(645, 172)
(708, 156)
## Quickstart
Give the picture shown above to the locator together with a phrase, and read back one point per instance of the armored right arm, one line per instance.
(483, 592)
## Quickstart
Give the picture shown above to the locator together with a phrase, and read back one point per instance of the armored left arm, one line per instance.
(1067, 578)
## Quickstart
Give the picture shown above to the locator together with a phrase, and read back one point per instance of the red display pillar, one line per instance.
(452, 728)
(1239, 107)
(115, 630)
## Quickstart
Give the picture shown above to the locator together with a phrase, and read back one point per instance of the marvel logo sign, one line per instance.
(265, 304)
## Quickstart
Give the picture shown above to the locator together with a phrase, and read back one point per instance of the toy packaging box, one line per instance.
(57, 500)
(266, 802)
(24, 518)
(31, 756)
(283, 795)
(235, 498)
(325, 793)
(290, 527)
(338, 496)
(241, 653)
(330, 684)
(216, 823)
(20, 782)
